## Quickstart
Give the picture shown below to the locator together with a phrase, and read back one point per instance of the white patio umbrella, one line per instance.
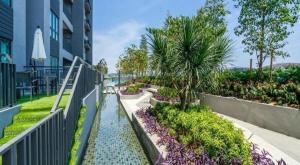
(38, 51)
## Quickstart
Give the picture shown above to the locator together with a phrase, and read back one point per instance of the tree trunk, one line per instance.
(271, 67)
(261, 52)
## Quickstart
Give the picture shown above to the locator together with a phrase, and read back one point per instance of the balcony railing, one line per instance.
(88, 7)
(87, 44)
(87, 25)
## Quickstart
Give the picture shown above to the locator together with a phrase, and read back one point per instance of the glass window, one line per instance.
(54, 24)
(54, 64)
(5, 49)
(7, 2)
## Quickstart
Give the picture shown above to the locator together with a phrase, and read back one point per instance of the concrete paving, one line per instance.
(281, 145)
(278, 145)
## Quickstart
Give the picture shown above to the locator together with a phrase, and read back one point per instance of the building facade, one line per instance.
(6, 30)
(66, 27)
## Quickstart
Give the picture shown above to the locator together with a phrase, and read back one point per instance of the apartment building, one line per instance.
(6, 30)
(66, 27)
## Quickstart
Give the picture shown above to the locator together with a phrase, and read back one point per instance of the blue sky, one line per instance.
(119, 23)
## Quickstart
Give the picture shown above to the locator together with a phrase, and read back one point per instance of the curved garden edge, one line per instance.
(276, 118)
(154, 151)
(136, 96)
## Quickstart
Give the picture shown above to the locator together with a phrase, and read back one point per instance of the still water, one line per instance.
(112, 139)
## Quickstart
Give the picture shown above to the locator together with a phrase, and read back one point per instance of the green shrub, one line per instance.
(76, 140)
(167, 92)
(202, 130)
(132, 89)
(140, 85)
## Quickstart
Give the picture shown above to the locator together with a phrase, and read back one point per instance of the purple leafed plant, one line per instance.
(177, 153)
(180, 154)
(165, 98)
(263, 157)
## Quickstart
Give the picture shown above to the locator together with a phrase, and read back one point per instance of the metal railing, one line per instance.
(40, 144)
(7, 85)
(50, 141)
(83, 83)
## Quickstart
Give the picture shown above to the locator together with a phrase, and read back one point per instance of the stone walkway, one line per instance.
(278, 145)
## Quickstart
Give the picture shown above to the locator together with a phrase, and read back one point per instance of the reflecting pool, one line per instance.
(112, 139)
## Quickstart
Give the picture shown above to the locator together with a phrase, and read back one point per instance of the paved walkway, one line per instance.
(278, 145)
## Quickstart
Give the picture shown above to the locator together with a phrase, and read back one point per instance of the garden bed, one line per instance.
(284, 90)
(212, 149)
(133, 91)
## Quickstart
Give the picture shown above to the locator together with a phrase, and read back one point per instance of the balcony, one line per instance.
(88, 7)
(67, 7)
(87, 26)
(67, 40)
(87, 45)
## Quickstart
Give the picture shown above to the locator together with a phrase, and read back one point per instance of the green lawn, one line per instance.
(31, 113)
(76, 140)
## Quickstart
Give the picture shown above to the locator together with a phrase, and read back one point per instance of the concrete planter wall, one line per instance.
(121, 96)
(90, 103)
(155, 86)
(276, 118)
(153, 101)
(148, 144)
(6, 117)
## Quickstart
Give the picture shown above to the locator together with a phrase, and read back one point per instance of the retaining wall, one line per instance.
(280, 119)
(6, 117)
(90, 103)
(148, 144)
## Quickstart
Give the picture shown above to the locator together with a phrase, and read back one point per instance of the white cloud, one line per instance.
(110, 44)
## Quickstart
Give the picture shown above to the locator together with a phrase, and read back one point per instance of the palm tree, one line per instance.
(159, 58)
(195, 56)
(189, 56)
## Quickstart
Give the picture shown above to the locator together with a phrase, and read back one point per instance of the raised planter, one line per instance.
(121, 96)
(6, 117)
(280, 119)
(154, 101)
(148, 141)
(155, 86)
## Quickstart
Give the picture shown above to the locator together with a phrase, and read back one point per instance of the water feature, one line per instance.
(112, 139)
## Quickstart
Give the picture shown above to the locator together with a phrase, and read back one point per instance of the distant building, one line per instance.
(66, 27)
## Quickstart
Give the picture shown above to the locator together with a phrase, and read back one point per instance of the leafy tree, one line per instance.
(212, 17)
(143, 44)
(135, 59)
(102, 66)
(264, 26)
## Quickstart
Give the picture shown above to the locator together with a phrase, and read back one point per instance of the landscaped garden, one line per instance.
(133, 89)
(199, 136)
(187, 58)
(31, 112)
